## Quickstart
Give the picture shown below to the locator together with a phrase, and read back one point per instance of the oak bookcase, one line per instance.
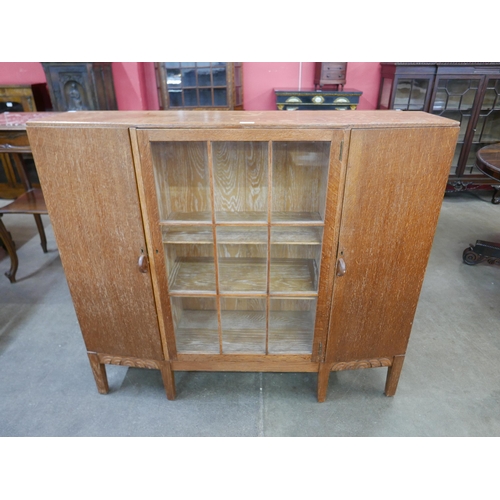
(244, 241)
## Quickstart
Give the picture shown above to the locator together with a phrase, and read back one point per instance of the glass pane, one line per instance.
(173, 78)
(205, 97)
(294, 268)
(468, 99)
(300, 178)
(190, 267)
(220, 97)
(190, 98)
(454, 102)
(182, 185)
(440, 100)
(195, 325)
(188, 78)
(402, 97)
(291, 325)
(240, 179)
(204, 77)
(491, 132)
(219, 75)
(418, 94)
(202, 64)
(171, 64)
(187, 64)
(243, 322)
(175, 98)
(242, 265)
(489, 99)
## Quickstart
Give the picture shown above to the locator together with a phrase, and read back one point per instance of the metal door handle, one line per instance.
(143, 263)
(341, 270)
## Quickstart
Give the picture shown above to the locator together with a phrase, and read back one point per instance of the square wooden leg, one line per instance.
(393, 373)
(99, 371)
(168, 377)
(323, 378)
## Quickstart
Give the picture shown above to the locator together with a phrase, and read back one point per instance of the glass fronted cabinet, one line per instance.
(200, 85)
(466, 92)
(241, 223)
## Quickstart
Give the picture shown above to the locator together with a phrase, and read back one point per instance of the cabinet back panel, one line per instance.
(181, 175)
(300, 176)
(89, 185)
(240, 176)
(394, 190)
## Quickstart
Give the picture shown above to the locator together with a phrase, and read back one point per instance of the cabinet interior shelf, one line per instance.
(290, 332)
(283, 235)
(193, 275)
(258, 218)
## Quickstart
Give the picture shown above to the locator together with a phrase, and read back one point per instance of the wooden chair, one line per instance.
(30, 202)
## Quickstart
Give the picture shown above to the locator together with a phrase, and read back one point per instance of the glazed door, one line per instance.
(242, 225)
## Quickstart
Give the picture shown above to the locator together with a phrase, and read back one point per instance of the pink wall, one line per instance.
(135, 82)
(260, 80)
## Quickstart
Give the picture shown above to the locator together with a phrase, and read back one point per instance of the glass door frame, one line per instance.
(471, 126)
(143, 138)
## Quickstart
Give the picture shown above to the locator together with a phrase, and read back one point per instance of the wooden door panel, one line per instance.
(88, 180)
(394, 189)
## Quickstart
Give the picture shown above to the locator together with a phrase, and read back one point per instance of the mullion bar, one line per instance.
(214, 230)
(269, 213)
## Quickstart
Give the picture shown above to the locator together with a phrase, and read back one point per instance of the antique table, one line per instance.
(488, 162)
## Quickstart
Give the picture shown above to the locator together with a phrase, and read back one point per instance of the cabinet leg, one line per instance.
(41, 231)
(167, 374)
(99, 371)
(393, 373)
(11, 250)
(323, 378)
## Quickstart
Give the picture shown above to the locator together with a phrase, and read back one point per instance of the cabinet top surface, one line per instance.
(242, 119)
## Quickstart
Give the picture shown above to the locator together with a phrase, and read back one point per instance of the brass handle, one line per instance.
(341, 270)
(143, 264)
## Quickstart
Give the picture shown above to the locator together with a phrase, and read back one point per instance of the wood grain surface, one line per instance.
(90, 190)
(394, 190)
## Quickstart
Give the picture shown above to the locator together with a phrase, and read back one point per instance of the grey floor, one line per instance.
(450, 384)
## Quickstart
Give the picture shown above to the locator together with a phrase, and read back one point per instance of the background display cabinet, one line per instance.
(200, 85)
(466, 92)
(239, 241)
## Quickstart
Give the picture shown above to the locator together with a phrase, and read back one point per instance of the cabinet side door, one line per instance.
(88, 181)
(394, 188)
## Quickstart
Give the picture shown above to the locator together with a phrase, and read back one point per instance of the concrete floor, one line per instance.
(450, 384)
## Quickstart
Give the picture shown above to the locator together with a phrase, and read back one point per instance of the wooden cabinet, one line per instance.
(466, 92)
(200, 85)
(240, 241)
(76, 86)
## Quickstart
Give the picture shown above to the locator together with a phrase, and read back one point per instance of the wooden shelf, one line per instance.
(192, 275)
(241, 276)
(296, 218)
(244, 332)
(198, 333)
(291, 332)
(304, 235)
(243, 218)
(226, 235)
(188, 234)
